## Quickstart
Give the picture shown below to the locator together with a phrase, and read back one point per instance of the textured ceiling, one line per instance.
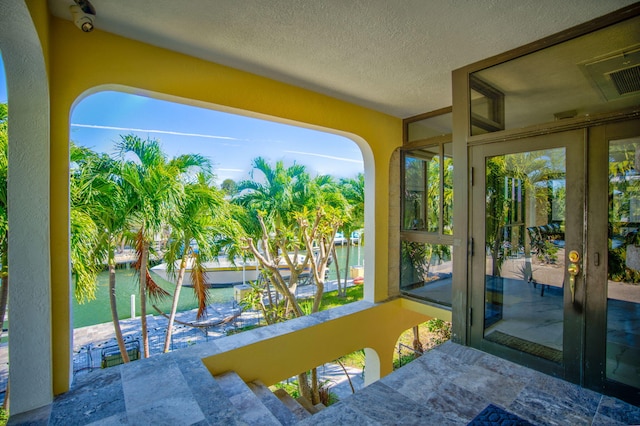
(395, 56)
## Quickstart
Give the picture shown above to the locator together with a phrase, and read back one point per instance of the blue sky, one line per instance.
(230, 141)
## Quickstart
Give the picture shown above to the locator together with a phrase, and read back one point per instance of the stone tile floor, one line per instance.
(449, 385)
(452, 384)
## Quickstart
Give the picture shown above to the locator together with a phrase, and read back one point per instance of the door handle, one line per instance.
(573, 270)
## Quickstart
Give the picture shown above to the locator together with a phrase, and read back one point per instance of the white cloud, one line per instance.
(350, 160)
(163, 132)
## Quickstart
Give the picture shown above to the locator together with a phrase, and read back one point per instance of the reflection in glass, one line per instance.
(428, 190)
(447, 190)
(487, 106)
(422, 182)
(576, 78)
(425, 271)
(623, 289)
(524, 237)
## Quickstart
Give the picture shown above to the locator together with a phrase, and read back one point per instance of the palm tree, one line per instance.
(525, 169)
(292, 214)
(271, 220)
(98, 220)
(330, 208)
(353, 190)
(201, 215)
(153, 185)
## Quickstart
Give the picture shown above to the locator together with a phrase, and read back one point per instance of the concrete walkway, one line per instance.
(92, 342)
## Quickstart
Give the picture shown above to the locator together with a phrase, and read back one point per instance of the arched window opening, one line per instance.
(251, 167)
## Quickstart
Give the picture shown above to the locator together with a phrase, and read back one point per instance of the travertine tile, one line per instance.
(339, 414)
(382, 404)
(90, 400)
(496, 387)
(619, 410)
(174, 410)
(539, 407)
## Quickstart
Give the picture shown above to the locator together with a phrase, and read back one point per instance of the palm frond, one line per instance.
(199, 280)
(154, 292)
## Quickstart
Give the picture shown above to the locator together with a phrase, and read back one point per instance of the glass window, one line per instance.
(426, 271)
(447, 189)
(421, 189)
(487, 106)
(524, 237)
(427, 222)
(421, 129)
(623, 294)
(428, 189)
(577, 78)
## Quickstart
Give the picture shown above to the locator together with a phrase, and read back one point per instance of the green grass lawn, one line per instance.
(332, 300)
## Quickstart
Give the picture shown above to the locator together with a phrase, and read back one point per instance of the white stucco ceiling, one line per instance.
(395, 56)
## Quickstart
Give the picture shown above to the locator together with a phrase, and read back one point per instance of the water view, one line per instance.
(99, 311)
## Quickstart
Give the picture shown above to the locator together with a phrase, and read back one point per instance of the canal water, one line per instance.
(99, 311)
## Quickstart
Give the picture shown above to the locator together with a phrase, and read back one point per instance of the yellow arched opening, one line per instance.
(109, 62)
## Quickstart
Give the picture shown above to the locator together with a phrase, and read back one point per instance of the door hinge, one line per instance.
(473, 179)
(471, 247)
(470, 317)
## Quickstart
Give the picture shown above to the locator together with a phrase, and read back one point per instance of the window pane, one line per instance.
(426, 271)
(430, 127)
(447, 202)
(524, 252)
(422, 190)
(623, 291)
(584, 76)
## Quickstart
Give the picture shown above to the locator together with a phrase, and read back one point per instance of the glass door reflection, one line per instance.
(524, 249)
(623, 280)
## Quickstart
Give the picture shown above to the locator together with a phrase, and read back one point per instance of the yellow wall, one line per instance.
(281, 357)
(80, 63)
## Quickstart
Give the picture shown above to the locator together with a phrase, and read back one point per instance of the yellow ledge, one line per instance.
(275, 353)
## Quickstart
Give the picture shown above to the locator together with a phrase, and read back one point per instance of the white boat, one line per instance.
(222, 272)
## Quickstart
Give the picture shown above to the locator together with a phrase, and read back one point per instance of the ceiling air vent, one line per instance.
(627, 80)
(616, 75)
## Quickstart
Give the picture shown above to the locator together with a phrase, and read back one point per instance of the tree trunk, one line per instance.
(417, 344)
(174, 305)
(343, 292)
(143, 297)
(315, 391)
(114, 311)
(317, 300)
(303, 387)
(335, 260)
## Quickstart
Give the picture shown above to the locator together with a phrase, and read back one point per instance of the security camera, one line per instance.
(82, 19)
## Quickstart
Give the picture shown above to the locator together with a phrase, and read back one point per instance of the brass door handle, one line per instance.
(573, 270)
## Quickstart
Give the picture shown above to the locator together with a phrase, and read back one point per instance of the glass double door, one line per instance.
(555, 266)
